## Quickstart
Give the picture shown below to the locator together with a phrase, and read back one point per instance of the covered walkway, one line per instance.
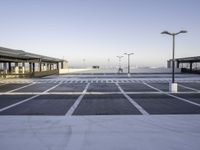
(18, 63)
(187, 64)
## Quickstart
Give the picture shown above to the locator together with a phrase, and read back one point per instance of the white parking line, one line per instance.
(183, 99)
(152, 87)
(52, 88)
(77, 102)
(20, 88)
(23, 101)
(169, 94)
(132, 101)
(188, 87)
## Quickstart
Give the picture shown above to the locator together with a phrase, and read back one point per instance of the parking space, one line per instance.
(103, 87)
(136, 87)
(194, 97)
(11, 86)
(69, 87)
(165, 87)
(43, 105)
(38, 87)
(99, 98)
(105, 105)
(164, 104)
(192, 85)
(6, 100)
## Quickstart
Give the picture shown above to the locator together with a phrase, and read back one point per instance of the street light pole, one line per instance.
(173, 59)
(120, 69)
(173, 52)
(128, 54)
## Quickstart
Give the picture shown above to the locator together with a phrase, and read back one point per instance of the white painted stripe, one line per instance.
(52, 88)
(96, 93)
(23, 101)
(152, 87)
(132, 101)
(183, 99)
(179, 98)
(188, 87)
(77, 102)
(20, 88)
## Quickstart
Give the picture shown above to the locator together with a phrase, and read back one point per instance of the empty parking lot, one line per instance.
(98, 97)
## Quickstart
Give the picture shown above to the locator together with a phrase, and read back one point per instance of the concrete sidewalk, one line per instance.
(155, 132)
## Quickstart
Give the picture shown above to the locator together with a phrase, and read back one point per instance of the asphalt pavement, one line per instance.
(110, 96)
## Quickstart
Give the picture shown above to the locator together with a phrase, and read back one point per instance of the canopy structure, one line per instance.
(21, 62)
(187, 64)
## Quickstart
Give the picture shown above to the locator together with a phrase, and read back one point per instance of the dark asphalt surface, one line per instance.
(69, 87)
(192, 97)
(9, 87)
(164, 104)
(39, 87)
(105, 105)
(136, 87)
(103, 87)
(192, 85)
(6, 100)
(44, 105)
(98, 104)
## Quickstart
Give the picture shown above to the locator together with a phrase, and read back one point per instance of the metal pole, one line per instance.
(173, 58)
(128, 63)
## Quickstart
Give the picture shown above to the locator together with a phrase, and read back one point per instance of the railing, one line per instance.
(28, 75)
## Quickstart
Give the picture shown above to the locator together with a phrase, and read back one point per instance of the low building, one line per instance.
(187, 64)
(19, 63)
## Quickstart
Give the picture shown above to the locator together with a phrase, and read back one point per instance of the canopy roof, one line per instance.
(13, 55)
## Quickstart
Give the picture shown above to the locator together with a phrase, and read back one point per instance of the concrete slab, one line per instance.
(165, 87)
(194, 97)
(6, 100)
(102, 87)
(38, 87)
(105, 105)
(136, 87)
(163, 104)
(69, 87)
(154, 132)
(43, 105)
(11, 86)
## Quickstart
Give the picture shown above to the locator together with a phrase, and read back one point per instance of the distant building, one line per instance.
(19, 63)
(187, 64)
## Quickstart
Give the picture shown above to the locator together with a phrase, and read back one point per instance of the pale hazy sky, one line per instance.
(98, 30)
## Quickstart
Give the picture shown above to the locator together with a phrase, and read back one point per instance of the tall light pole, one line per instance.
(173, 52)
(128, 54)
(120, 69)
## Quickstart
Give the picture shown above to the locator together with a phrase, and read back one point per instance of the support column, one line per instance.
(48, 67)
(40, 67)
(57, 65)
(23, 67)
(9, 67)
(33, 67)
(178, 63)
(5, 68)
(30, 67)
(16, 68)
(190, 66)
(62, 65)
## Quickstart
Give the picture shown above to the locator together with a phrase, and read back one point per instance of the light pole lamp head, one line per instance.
(166, 32)
(183, 31)
(128, 53)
